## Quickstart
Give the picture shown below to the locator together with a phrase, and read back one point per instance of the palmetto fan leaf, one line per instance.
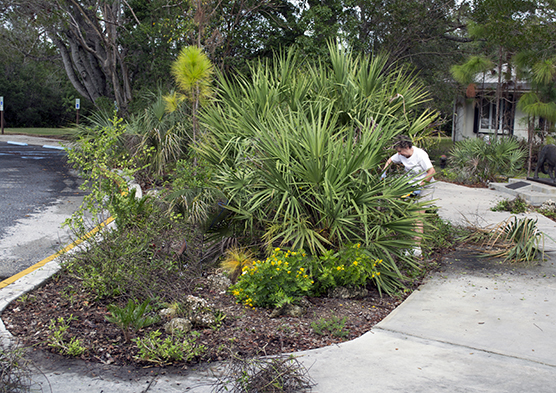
(297, 149)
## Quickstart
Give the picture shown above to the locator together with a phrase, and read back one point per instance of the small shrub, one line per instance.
(15, 373)
(281, 374)
(352, 266)
(132, 316)
(281, 278)
(333, 326)
(175, 348)
(480, 161)
(448, 175)
(96, 158)
(136, 261)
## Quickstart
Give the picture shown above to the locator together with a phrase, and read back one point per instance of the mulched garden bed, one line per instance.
(245, 331)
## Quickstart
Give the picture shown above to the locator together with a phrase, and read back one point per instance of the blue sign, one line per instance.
(1, 103)
(77, 103)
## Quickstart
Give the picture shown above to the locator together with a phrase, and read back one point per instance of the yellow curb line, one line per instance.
(40, 264)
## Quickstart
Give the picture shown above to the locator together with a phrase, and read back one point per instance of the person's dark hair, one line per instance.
(403, 142)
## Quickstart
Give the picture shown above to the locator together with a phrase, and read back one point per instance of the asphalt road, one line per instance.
(37, 192)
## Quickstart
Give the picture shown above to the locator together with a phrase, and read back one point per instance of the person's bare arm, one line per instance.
(430, 173)
(387, 164)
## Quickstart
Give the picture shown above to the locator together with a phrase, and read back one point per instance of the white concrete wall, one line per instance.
(464, 114)
(463, 120)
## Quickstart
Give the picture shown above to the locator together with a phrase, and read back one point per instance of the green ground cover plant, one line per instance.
(57, 339)
(132, 316)
(515, 206)
(334, 326)
(179, 347)
(62, 133)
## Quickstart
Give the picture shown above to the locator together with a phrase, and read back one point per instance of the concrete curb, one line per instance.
(34, 276)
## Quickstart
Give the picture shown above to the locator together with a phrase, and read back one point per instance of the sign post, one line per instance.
(77, 105)
(2, 114)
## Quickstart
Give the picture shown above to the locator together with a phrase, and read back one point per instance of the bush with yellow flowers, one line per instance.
(281, 278)
(352, 266)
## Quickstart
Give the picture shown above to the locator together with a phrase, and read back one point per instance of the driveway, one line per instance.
(38, 192)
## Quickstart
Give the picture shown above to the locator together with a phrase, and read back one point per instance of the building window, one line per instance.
(486, 119)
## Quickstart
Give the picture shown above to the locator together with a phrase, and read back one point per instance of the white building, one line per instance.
(475, 113)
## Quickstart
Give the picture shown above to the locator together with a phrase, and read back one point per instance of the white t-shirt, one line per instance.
(416, 166)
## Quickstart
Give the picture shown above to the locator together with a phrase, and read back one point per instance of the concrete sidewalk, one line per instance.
(474, 327)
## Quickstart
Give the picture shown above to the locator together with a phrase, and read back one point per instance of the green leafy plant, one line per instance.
(352, 266)
(219, 317)
(132, 316)
(297, 150)
(97, 159)
(515, 206)
(177, 347)
(163, 133)
(26, 298)
(57, 340)
(480, 161)
(333, 326)
(442, 234)
(280, 278)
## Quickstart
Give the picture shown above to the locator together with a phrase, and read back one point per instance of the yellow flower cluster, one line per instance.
(249, 303)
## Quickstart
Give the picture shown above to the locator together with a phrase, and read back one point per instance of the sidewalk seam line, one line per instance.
(464, 346)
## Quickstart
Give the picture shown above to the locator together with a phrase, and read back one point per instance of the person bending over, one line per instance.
(419, 167)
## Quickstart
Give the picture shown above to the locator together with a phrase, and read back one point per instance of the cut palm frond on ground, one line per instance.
(515, 240)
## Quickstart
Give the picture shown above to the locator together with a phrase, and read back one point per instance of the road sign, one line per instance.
(1, 103)
(77, 103)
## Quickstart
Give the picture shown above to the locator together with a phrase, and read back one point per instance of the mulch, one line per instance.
(244, 331)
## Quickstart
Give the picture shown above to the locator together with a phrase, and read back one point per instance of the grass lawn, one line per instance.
(48, 132)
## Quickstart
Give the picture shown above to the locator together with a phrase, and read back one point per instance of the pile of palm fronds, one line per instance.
(515, 240)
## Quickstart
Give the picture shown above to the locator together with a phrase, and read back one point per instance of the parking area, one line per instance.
(37, 186)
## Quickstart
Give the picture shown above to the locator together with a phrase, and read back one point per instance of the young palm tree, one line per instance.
(193, 71)
(164, 132)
